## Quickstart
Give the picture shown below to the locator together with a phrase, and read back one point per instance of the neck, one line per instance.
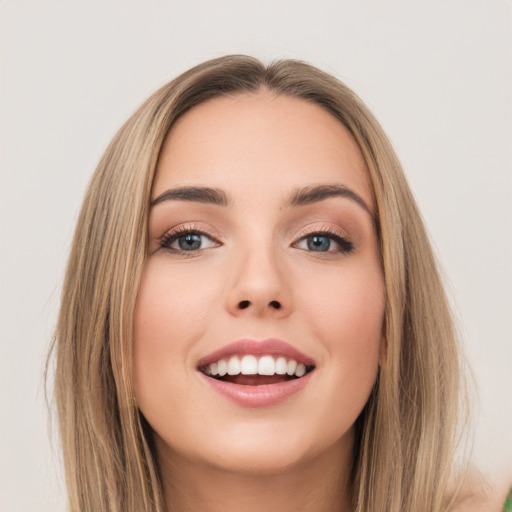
(320, 484)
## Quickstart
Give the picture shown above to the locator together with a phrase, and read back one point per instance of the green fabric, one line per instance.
(507, 506)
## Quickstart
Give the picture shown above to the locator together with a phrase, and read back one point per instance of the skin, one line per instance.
(215, 454)
(480, 495)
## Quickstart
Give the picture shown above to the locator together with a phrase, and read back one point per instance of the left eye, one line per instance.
(191, 241)
(321, 242)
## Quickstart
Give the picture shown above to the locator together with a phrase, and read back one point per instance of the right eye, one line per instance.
(187, 241)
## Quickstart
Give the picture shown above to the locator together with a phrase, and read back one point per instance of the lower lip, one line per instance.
(258, 396)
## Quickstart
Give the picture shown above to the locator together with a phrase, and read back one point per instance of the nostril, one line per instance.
(244, 304)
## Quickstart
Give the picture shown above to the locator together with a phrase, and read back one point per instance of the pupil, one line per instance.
(319, 243)
(189, 242)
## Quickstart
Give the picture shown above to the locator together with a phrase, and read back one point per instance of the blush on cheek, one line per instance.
(349, 320)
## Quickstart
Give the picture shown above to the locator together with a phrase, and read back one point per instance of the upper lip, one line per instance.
(271, 347)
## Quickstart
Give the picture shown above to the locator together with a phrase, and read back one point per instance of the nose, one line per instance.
(259, 286)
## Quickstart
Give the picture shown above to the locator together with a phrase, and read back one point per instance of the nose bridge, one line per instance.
(258, 282)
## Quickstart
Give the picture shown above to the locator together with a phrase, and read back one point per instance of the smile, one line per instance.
(257, 374)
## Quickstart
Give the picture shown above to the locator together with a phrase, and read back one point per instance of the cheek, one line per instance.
(346, 313)
(171, 314)
(348, 304)
(171, 306)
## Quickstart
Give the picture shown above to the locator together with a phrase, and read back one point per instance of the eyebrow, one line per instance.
(205, 195)
(316, 193)
(299, 197)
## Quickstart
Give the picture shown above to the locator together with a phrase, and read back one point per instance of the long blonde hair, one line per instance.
(406, 434)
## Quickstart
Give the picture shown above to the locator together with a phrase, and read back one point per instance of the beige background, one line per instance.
(437, 74)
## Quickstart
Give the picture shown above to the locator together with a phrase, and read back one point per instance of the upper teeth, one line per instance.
(252, 365)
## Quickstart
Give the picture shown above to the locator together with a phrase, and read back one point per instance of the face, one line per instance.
(262, 262)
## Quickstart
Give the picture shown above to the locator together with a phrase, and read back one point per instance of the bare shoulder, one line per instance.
(484, 495)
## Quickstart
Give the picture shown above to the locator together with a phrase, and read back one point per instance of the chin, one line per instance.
(266, 455)
(259, 462)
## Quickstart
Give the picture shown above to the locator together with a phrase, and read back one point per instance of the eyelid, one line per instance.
(316, 228)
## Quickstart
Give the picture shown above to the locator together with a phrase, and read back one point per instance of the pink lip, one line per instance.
(271, 347)
(257, 396)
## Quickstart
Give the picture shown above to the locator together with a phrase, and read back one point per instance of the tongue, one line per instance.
(256, 380)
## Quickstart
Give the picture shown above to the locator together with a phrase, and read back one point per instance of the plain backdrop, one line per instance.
(438, 76)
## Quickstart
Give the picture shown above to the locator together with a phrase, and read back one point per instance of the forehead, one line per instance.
(261, 140)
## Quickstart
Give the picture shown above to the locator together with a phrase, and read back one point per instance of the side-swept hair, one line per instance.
(407, 432)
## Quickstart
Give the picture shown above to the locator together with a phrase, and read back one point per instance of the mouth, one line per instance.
(257, 373)
(256, 370)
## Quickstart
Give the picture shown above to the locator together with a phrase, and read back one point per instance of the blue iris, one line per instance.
(318, 243)
(190, 242)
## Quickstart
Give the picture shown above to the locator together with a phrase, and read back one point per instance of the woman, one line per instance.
(252, 318)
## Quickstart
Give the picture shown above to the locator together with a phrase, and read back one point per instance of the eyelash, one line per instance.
(170, 237)
(345, 245)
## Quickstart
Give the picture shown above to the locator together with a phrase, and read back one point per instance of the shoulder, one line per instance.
(481, 495)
